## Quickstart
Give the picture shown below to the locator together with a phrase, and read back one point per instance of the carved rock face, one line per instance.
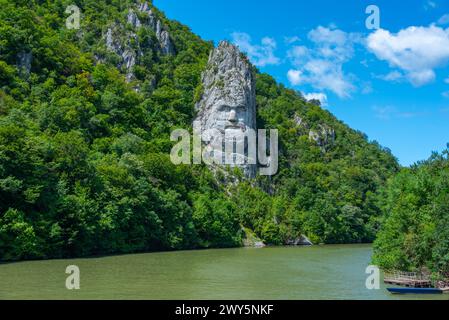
(228, 103)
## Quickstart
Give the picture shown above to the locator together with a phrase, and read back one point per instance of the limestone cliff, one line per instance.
(323, 135)
(125, 43)
(228, 102)
(123, 49)
(162, 35)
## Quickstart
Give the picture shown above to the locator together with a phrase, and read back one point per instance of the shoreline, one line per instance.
(179, 250)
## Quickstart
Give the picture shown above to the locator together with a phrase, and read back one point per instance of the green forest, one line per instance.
(415, 226)
(85, 167)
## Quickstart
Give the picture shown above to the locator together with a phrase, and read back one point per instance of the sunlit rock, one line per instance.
(228, 103)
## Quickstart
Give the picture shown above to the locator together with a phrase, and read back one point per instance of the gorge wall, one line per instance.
(228, 102)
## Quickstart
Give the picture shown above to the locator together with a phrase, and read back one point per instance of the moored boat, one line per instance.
(415, 290)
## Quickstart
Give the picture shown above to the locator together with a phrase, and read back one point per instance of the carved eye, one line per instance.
(238, 107)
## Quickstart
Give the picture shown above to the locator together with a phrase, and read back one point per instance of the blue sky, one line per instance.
(391, 83)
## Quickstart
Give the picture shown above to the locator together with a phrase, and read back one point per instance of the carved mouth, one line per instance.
(233, 126)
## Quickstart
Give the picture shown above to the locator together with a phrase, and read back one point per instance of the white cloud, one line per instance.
(389, 112)
(444, 20)
(384, 113)
(430, 5)
(328, 36)
(269, 42)
(328, 75)
(446, 80)
(334, 44)
(393, 76)
(421, 77)
(322, 65)
(295, 77)
(298, 54)
(367, 88)
(332, 25)
(290, 40)
(321, 97)
(261, 55)
(364, 63)
(417, 51)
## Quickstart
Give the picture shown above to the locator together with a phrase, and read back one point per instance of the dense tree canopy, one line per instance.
(84, 153)
(415, 229)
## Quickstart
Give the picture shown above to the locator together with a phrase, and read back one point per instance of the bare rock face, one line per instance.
(161, 34)
(300, 121)
(24, 63)
(133, 20)
(324, 137)
(123, 49)
(251, 240)
(228, 103)
(300, 241)
(119, 40)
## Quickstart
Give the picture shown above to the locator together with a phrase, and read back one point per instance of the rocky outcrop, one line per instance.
(123, 49)
(315, 102)
(126, 43)
(133, 20)
(299, 121)
(324, 136)
(162, 35)
(300, 241)
(228, 102)
(24, 60)
(250, 240)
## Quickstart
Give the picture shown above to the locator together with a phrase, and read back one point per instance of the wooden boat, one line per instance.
(407, 279)
(415, 290)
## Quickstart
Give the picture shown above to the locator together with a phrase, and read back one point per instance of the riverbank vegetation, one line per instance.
(84, 153)
(415, 225)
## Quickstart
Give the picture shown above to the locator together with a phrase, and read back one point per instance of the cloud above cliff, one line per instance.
(321, 65)
(295, 77)
(322, 59)
(260, 55)
(416, 51)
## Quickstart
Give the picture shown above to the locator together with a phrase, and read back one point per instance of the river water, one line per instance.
(318, 272)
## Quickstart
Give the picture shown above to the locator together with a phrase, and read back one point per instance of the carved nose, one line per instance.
(232, 116)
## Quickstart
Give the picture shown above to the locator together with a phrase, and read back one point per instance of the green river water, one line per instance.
(318, 272)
